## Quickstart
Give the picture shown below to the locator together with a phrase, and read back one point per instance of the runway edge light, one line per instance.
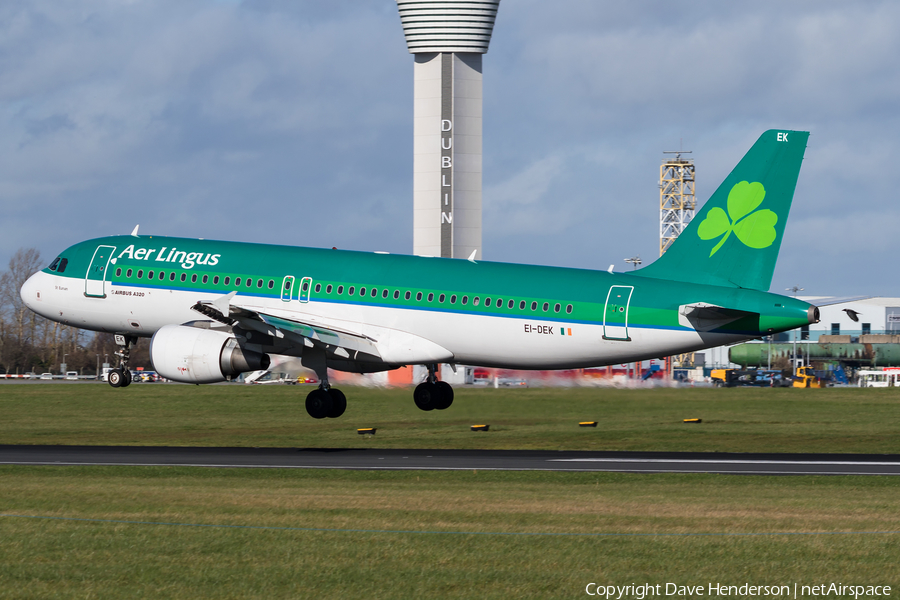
(480, 427)
(587, 424)
(693, 420)
(366, 431)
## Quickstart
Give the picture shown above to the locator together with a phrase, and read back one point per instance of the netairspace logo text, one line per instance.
(674, 590)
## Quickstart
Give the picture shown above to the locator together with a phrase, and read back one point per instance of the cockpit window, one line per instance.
(54, 264)
(63, 263)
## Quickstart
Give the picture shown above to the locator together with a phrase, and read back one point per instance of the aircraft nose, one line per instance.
(31, 291)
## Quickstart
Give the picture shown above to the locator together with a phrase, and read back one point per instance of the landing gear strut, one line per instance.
(433, 394)
(325, 401)
(121, 375)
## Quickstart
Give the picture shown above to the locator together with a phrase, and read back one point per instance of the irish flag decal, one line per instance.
(565, 330)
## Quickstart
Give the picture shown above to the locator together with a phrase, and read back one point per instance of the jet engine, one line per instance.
(194, 355)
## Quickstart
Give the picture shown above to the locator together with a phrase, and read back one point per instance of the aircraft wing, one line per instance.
(281, 326)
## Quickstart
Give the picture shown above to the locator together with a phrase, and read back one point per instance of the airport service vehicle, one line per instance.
(805, 377)
(750, 378)
(72, 375)
(889, 377)
(216, 309)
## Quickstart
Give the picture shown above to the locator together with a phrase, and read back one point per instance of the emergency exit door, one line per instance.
(615, 314)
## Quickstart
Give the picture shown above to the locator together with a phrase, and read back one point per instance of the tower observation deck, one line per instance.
(447, 39)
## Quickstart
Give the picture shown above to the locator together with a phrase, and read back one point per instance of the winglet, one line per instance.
(472, 256)
(134, 233)
(223, 303)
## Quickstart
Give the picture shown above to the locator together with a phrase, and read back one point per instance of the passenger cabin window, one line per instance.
(569, 309)
(184, 277)
(194, 278)
(216, 280)
(340, 289)
(362, 291)
(249, 282)
(419, 296)
(534, 306)
(453, 299)
(237, 281)
(172, 276)
(557, 307)
(206, 279)
(149, 274)
(140, 273)
(546, 306)
(407, 295)
(351, 289)
(271, 284)
(396, 294)
(441, 298)
(162, 275)
(475, 301)
(487, 301)
(511, 304)
(318, 287)
(374, 292)
(328, 288)
(384, 294)
(118, 272)
(431, 297)
(128, 273)
(465, 300)
(259, 283)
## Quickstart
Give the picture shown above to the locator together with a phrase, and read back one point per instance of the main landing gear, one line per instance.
(121, 375)
(326, 402)
(433, 394)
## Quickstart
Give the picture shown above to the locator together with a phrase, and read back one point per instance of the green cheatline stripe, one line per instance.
(535, 533)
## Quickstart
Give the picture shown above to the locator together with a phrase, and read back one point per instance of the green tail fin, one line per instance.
(734, 239)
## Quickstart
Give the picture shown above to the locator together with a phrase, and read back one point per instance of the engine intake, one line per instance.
(194, 355)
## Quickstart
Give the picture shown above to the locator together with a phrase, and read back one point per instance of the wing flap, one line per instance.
(222, 310)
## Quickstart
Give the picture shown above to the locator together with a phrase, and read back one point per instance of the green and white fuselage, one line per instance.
(215, 308)
(415, 310)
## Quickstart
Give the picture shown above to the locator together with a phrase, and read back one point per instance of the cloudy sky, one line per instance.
(290, 122)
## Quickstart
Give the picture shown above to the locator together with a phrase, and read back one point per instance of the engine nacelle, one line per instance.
(194, 355)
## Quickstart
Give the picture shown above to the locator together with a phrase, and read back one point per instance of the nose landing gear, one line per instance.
(121, 375)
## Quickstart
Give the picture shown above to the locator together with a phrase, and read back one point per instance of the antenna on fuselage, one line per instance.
(134, 233)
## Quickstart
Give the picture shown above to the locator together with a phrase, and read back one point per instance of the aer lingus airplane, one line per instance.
(216, 309)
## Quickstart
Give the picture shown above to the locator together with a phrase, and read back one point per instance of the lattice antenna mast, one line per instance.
(676, 197)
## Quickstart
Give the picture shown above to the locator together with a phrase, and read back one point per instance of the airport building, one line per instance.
(447, 40)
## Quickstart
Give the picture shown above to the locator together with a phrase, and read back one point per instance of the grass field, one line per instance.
(734, 420)
(385, 539)
(244, 533)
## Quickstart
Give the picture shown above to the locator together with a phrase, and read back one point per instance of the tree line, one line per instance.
(31, 343)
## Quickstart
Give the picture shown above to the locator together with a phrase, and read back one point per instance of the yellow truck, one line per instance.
(805, 377)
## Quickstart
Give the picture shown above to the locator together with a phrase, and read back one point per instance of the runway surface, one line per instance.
(443, 460)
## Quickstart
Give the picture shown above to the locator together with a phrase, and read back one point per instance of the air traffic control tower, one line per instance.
(447, 38)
